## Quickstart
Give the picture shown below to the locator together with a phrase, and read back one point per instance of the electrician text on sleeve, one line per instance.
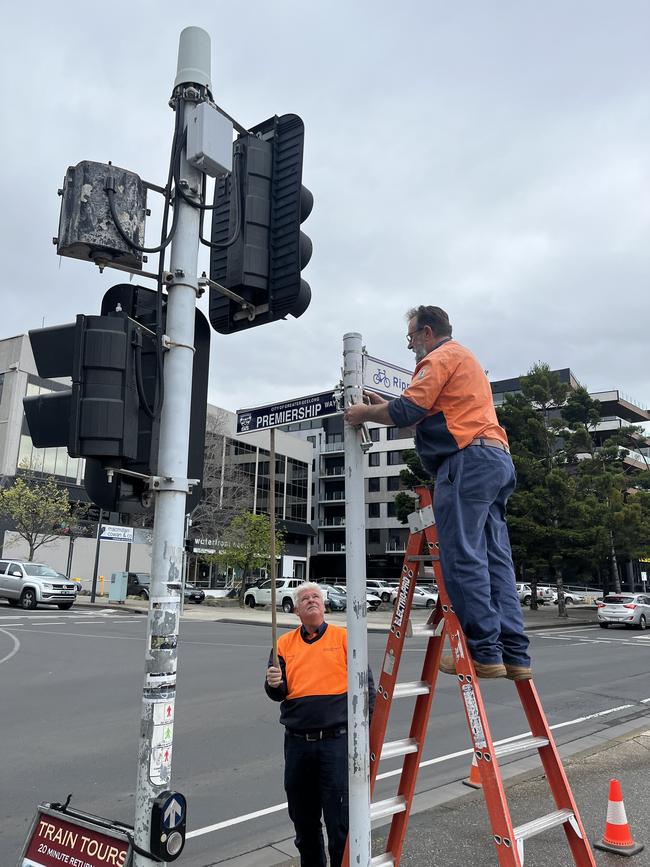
(461, 444)
(311, 684)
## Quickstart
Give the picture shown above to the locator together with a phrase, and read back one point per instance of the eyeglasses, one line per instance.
(411, 335)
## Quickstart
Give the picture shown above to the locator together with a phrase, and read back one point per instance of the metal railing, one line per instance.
(333, 522)
(333, 496)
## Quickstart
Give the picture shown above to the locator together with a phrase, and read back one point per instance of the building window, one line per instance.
(390, 510)
(374, 434)
(393, 433)
(373, 485)
(374, 459)
(373, 510)
(373, 537)
(394, 458)
(393, 483)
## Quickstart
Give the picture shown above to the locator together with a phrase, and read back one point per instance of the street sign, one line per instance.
(173, 811)
(277, 414)
(384, 378)
(114, 533)
(168, 813)
(75, 838)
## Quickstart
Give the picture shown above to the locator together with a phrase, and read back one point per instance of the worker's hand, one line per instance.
(372, 398)
(356, 414)
(273, 676)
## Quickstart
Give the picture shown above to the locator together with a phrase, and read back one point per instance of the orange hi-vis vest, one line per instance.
(317, 667)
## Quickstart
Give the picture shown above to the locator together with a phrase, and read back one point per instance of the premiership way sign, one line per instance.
(277, 414)
(384, 378)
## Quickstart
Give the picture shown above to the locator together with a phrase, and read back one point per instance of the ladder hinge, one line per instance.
(421, 519)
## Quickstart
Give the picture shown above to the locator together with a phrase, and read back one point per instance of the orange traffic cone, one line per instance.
(474, 779)
(617, 836)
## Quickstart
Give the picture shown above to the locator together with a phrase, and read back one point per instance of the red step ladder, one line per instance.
(423, 548)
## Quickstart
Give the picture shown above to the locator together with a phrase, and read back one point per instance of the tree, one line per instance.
(35, 508)
(226, 489)
(246, 545)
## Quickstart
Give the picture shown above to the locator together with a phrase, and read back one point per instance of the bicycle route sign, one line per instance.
(384, 378)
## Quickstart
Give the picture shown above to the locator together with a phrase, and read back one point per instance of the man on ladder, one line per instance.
(461, 444)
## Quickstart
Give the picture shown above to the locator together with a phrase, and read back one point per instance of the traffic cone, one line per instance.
(617, 836)
(474, 779)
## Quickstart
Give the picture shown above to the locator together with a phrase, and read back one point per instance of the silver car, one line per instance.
(630, 609)
(30, 584)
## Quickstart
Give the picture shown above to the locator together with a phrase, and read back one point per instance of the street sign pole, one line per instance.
(357, 623)
(274, 601)
(171, 484)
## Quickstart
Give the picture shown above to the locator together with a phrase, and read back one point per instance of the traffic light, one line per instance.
(258, 247)
(109, 415)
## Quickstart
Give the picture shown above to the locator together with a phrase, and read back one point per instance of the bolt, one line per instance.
(148, 211)
(55, 241)
(59, 192)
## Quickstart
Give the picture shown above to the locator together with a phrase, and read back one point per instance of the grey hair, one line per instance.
(307, 585)
(435, 317)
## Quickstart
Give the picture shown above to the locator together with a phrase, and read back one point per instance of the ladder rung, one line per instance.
(416, 630)
(423, 558)
(529, 743)
(388, 807)
(383, 860)
(410, 687)
(536, 826)
(399, 748)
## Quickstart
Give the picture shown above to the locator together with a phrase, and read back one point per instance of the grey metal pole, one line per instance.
(93, 590)
(159, 690)
(357, 622)
(274, 601)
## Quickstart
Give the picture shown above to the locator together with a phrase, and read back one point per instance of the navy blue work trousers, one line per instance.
(316, 783)
(469, 502)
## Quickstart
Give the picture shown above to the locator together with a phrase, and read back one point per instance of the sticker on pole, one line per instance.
(76, 839)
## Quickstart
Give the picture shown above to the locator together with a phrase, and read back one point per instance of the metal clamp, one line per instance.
(167, 483)
(249, 311)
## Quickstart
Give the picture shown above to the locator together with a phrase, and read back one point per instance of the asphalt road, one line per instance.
(70, 697)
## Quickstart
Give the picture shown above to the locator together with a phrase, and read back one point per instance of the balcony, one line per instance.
(333, 497)
(395, 546)
(334, 471)
(333, 548)
(334, 447)
(332, 522)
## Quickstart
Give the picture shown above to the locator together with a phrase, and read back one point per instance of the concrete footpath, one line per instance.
(455, 832)
(546, 617)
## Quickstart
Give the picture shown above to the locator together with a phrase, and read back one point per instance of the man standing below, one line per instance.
(461, 444)
(312, 684)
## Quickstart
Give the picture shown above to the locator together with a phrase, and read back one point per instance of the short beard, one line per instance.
(420, 353)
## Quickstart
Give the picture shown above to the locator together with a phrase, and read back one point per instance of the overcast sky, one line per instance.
(490, 157)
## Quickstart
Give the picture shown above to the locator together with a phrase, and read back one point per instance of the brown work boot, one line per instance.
(518, 672)
(482, 669)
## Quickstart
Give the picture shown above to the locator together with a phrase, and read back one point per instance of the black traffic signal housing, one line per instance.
(102, 417)
(260, 206)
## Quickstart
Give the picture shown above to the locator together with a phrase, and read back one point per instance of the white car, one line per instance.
(27, 585)
(630, 609)
(379, 588)
(525, 593)
(571, 597)
(285, 594)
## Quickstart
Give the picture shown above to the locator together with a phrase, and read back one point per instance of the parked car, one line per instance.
(285, 593)
(379, 588)
(372, 601)
(193, 594)
(30, 584)
(571, 597)
(424, 597)
(137, 584)
(525, 593)
(630, 609)
(336, 598)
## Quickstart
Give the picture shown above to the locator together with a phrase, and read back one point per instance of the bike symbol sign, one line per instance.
(384, 378)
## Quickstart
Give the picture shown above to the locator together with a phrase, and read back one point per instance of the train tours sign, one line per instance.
(75, 839)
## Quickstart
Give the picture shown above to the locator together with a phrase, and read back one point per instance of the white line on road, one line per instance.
(139, 638)
(238, 820)
(15, 648)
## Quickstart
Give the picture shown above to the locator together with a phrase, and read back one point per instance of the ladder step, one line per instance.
(417, 630)
(399, 748)
(383, 860)
(388, 807)
(423, 558)
(536, 826)
(529, 743)
(410, 687)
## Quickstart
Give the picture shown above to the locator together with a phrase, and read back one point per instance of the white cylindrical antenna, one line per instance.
(193, 58)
